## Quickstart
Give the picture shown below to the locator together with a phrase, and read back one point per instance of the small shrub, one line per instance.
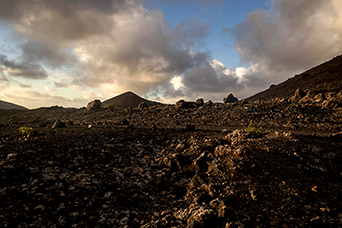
(109, 106)
(27, 130)
(253, 130)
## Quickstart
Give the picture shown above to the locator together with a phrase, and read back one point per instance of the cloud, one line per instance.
(116, 43)
(48, 89)
(119, 45)
(291, 37)
(31, 98)
(21, 69)
(90, 95)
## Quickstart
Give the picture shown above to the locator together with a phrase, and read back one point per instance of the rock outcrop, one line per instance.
(230, 99)
(95, 104)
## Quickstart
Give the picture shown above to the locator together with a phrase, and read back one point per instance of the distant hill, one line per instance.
(8, 105)
(128, 99)
(326, 77)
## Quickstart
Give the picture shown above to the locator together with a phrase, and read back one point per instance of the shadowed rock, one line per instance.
(230, 99)
(95, 104)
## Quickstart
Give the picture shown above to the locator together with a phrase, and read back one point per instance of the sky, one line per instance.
(70, 52)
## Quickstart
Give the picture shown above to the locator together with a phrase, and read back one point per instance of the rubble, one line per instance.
(161, 166)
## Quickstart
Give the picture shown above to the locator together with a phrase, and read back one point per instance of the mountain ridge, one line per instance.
(325, 77)
(128, 99)
(8, 105)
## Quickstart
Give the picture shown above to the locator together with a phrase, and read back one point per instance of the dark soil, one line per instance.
(167, 167)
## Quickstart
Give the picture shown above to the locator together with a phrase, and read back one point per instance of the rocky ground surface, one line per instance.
(183, 165)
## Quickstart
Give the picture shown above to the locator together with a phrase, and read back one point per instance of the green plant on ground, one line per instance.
(27, 130)
(253, 130)
(109, 106)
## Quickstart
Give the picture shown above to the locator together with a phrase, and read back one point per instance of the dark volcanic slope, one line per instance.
(326, 77)
(8, 105)
(128, 99)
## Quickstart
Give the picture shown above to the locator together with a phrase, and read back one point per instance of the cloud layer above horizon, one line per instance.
(120, 45)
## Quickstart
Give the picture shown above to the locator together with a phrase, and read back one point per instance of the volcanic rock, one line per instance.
(208, 103)
(331, 104)
(58, 124)
(200, 102)
(95, 104)
(230, 99)
(142, 105)
(299, 93)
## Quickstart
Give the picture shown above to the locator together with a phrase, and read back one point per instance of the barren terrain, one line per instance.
(273, 160)
(174, 166)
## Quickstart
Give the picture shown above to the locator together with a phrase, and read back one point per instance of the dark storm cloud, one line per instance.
(204, 78)
(293, 36)
(106, 41)
(21, 69)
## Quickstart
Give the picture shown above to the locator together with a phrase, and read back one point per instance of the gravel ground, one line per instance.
(168, 167)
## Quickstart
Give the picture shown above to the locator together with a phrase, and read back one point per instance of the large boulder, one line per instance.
(230, 99)
(181, 104)
(200, 102)
(95, 104)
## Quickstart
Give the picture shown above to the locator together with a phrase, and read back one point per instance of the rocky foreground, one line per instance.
(184, 165)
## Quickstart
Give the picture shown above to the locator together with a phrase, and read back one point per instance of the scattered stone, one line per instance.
(331, 104)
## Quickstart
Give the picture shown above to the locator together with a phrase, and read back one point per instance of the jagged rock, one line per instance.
(202, 161)
(331, 104)
(175, 162)
(230, 99)
(153, 127)
(319, 97)
(180, 147)
(208, 103)
(200, 102)
(219, 206)
(181, 104)
(309, 96)
(95, 104)
(142, 105)
(58, 124)
(299, 93)
(223, 150)
(196, 216)
(237, 137)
